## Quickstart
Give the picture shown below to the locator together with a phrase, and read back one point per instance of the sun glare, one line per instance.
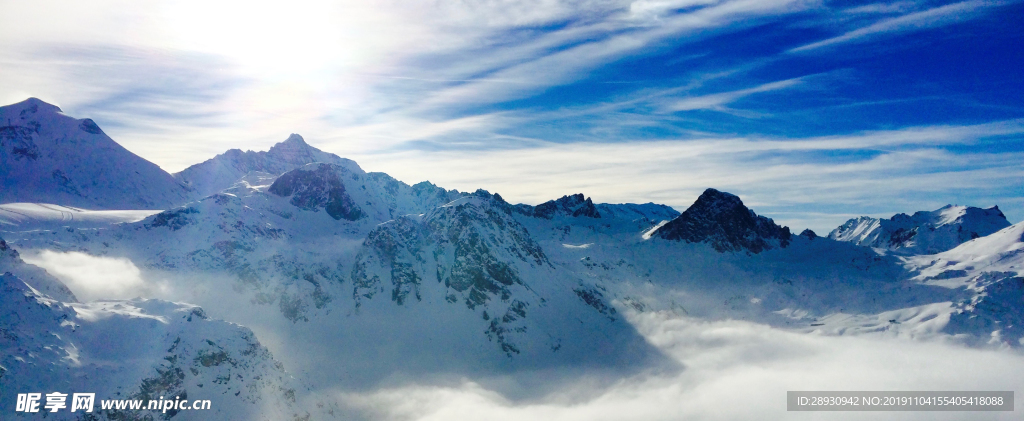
(267, 40)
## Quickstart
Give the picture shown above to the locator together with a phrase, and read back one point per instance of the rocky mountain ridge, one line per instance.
(721, 220)
(923, 232)
(416, 280)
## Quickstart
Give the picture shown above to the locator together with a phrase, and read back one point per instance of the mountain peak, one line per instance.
(7, 250)
(222, 171)
(721, 219)
(718, 200)
(50, 157)
(33, 105)
(294, 147)
(295, 139)
(924, 232)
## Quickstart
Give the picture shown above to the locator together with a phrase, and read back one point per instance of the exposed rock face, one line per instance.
(572, 205)
(475, 263)
(317, 187)
(472, 248)
(721, 220)
(484, 241)
(809, 234)
(923, 232)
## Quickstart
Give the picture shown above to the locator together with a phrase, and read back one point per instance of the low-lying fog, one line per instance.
(727, 370)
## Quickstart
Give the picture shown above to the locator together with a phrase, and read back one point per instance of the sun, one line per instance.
(267, 40)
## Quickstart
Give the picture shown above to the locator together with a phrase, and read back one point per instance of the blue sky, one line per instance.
(811, 111)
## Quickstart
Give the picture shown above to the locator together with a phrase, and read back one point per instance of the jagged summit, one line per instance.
(49, 157)
(294, 149)
(721, 219)
(221, 171)
(923, 232)
(569, 205)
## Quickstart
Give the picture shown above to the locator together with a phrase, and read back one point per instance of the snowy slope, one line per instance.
(48, 157)
(923, 232)
(991, 271)
(137, 349)
(222, 171)
(475, 254)
(36, 216)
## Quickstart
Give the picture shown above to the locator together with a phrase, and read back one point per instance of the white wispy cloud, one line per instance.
(916, 21)
(718, 101)
(416, 89)
(895, 7)
(95, 277)
(620, 39)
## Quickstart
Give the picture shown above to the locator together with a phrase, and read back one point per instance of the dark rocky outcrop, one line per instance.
(317, 186)
(721, 220)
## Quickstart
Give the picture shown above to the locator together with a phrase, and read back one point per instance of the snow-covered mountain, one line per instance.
(923, 232)
(137, 349)
(222, 171)
(328, 239)
(46, 156)
(367, 265)
(356, 279)
(991, 270)
(474, 253)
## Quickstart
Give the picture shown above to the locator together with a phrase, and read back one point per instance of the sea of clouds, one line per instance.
(734, 370)
(731, 370)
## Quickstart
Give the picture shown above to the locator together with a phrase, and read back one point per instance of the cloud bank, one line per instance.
(95, 277)
(734, 370)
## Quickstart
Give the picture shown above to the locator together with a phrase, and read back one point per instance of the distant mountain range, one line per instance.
(385, 279)
(923, 232)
